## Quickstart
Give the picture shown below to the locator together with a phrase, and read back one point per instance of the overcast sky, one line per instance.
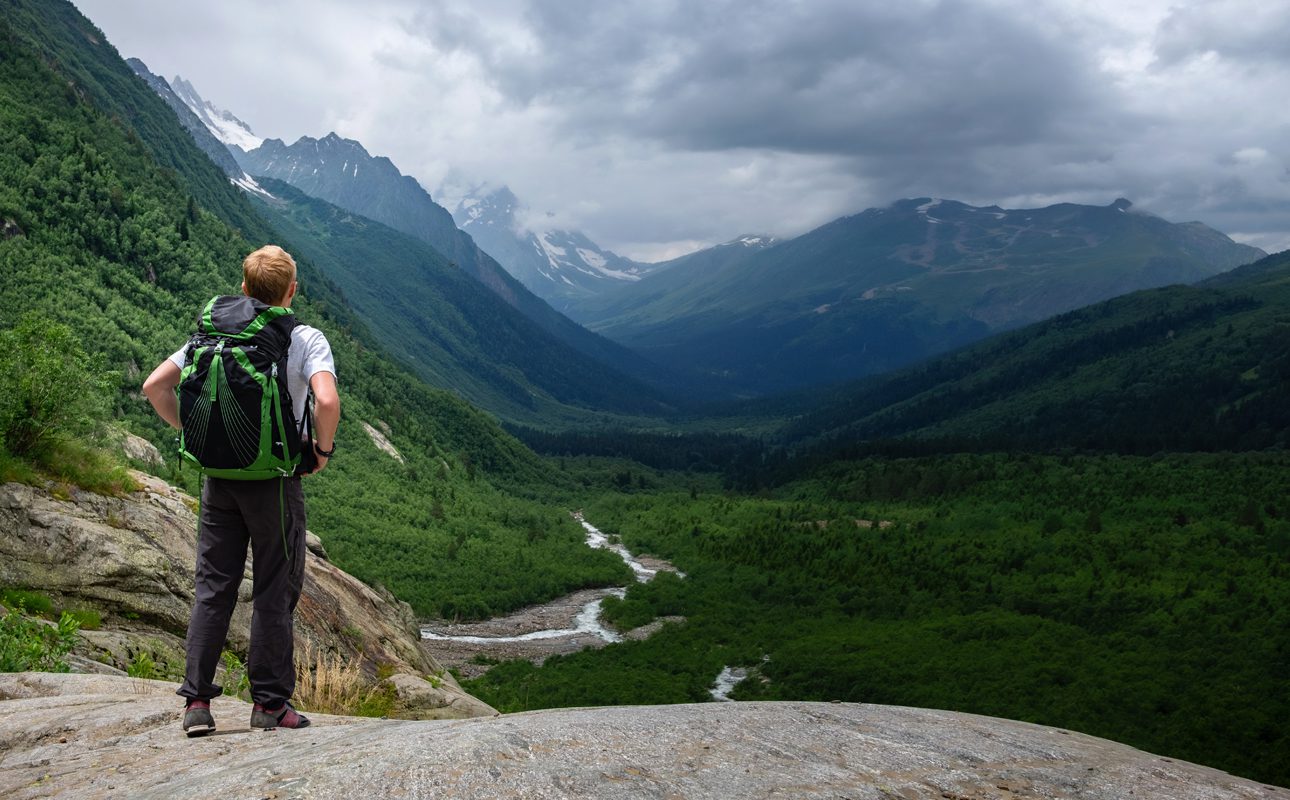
(660, 126)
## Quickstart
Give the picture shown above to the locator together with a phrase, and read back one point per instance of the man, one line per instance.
(270, 514)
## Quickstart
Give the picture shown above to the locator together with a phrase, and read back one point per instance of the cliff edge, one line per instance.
(83, 736)
(130, 559)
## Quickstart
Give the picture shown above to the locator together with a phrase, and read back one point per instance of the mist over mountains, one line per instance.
(559, 266)
(861, 295)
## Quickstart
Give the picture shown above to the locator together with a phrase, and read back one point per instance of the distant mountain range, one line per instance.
(890, 286)
(451, 330)
(1201, 367)
(862, 295)
(216, 132)
(494, 342)
(559, 266)
(343, 173)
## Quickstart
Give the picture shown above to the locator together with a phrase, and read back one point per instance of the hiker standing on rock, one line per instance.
(239, 394)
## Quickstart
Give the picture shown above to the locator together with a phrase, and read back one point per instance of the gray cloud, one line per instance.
(1238, 31)
(836, 78)
(658, 125)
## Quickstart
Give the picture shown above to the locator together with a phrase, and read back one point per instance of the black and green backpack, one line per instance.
(235, 409)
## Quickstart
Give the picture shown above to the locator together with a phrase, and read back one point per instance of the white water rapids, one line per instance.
(522, 635)
(588, 619)
(729, 678)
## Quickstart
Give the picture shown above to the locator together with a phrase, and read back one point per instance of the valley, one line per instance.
(1025, 462)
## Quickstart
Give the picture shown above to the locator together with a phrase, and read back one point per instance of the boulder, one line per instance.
(131, 559)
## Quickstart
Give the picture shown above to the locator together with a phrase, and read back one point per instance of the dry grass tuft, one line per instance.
(329, 684)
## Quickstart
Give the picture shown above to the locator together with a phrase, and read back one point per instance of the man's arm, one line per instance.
(326, 413)
(159, 388)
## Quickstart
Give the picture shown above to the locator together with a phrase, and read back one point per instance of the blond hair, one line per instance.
(267, 274)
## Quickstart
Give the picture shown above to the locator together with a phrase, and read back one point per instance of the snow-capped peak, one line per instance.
(223, 125)
(751, 240)
(481, 206)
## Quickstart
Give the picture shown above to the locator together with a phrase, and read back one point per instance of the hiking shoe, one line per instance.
(285, 717)
(197, 718)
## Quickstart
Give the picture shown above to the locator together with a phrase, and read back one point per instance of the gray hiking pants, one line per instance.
(270, 514)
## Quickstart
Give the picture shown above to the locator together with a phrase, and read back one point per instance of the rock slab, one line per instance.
(131, 559)
(91, 736)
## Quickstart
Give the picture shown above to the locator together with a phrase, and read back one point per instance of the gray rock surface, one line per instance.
(131, 559)
(91, 736)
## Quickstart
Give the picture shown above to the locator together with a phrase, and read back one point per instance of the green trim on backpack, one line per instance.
(242, 434)
(256, 325)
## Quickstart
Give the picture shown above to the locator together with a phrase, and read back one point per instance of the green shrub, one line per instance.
(237, 681)
(55, 401)
(29, 644)
(378, 702)
(28, 601)
(49, 387)
(86, 619)
(142, 666)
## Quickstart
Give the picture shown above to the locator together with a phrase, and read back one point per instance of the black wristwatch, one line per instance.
(324, 453)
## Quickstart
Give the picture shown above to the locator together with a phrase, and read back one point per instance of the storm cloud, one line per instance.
(661, 126)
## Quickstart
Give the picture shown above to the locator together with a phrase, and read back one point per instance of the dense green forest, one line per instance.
(1141, 599)
(102, 239)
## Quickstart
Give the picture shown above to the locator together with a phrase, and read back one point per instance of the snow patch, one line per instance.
(554, 253)
(930, 204)
(590, 257)
(248, 183)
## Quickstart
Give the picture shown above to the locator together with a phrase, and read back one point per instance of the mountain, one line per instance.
(890, 286)
(202, 128)
(343, 173)
(128, 229)
(93, 72)
(557, 265)
(205, 139)
(227, 128)
(678, 275)
(448, 327)
(1200, 367)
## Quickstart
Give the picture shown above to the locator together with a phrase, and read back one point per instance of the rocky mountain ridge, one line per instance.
(891, 286)
(227, 128)
(557, 265)
(341, 172)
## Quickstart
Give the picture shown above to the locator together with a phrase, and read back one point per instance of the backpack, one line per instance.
(235, 411)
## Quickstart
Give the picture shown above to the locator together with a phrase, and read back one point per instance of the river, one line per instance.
(564, 625)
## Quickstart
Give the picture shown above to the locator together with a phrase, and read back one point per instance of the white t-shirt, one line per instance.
(309, 354)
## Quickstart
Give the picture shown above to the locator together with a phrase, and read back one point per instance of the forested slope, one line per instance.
(100, 236)
(1181, 368)
(448, 327)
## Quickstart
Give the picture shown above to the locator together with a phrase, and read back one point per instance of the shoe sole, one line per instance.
(199, 730)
